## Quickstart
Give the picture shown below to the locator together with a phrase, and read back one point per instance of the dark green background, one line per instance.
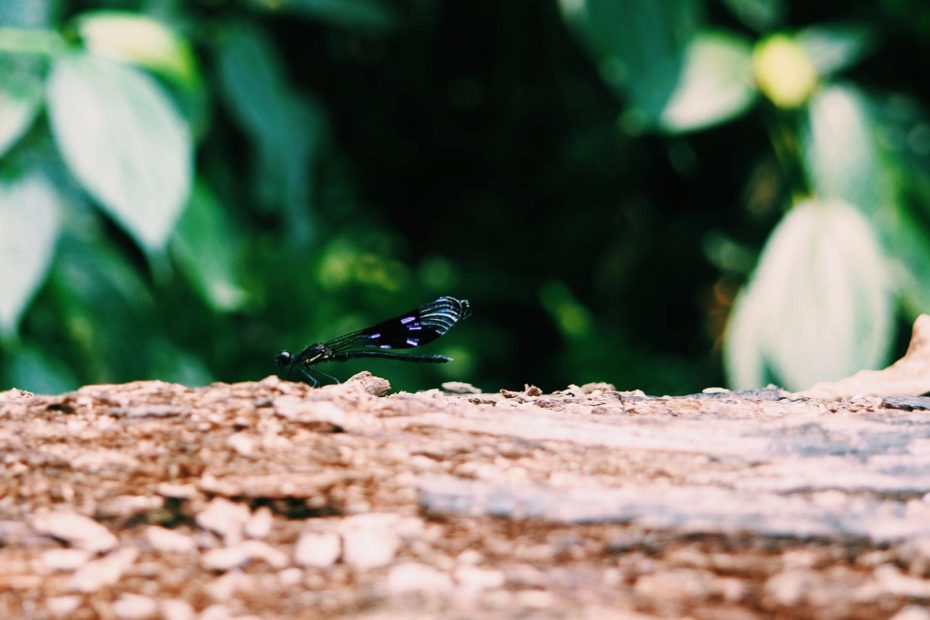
(471, 148)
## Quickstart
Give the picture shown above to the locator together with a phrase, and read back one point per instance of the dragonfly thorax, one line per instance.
(314, 353)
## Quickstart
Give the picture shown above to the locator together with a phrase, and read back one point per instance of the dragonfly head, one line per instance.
(284, 359)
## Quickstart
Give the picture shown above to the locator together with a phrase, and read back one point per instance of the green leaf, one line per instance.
(760, 15)
(29, 368)
(140, 40)
(639, 46)
(371, 15)
(29, 213)
(106, 311)
(286, 127)
(253, 77)
(841, 154)
(124, 142)
(909, 250)
(819, 306)
(20, 99)
(152, 45)
(173, 364)
(32, 14)
(207, 250)
(715, 84)
(572, 318)
(836, 47)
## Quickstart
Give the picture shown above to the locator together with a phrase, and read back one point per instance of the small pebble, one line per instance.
(103, 572)
(290, 576)
(223, 587)
(169, 541)
(259, 524)
(77, 530)
(215, 612)
(912, 612)
(415, 577)
(63, 605)
(176, 609)
(134, 607)
(472, 579)
(317, 549)
(64, 559)
(369, 540)
(460, 387)
(240, 554)
(242, 443)
(224, 517)
(177, 491)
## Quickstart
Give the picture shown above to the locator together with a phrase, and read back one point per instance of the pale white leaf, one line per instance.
(124, 141)
(819, 304)
(29, 213)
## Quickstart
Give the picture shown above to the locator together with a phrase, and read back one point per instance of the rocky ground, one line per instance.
(277, 500)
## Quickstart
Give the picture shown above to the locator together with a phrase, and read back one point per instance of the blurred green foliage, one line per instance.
(665, 195)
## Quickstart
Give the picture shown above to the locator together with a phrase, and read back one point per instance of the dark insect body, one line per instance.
(411, 329)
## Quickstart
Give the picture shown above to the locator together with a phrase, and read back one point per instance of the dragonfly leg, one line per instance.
(309, 375)
(327, 376)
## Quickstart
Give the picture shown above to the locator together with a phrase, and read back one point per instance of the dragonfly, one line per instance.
(410, 330)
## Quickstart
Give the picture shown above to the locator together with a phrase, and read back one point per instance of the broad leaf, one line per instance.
(835, 47)
(639, 46)
(909, 250)
(715, 85)
(372, 15)
(846, 159)
(253, 77)
(140, 40)
(174, 364)
(151, 44)
(375, 16)
(285, 126)
(206, 246)
(124, 142)
(107, 310)
(20, 99)
(32, 14)
(743, 344)
(760, 15)
(29, 214)
(841, 154)
(819, 306)
(30, 368)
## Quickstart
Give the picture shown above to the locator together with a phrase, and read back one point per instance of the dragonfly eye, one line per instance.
(284, 359)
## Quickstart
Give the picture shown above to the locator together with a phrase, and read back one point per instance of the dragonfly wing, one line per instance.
(411, 329)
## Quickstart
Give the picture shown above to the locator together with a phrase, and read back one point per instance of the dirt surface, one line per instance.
(277, 500)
